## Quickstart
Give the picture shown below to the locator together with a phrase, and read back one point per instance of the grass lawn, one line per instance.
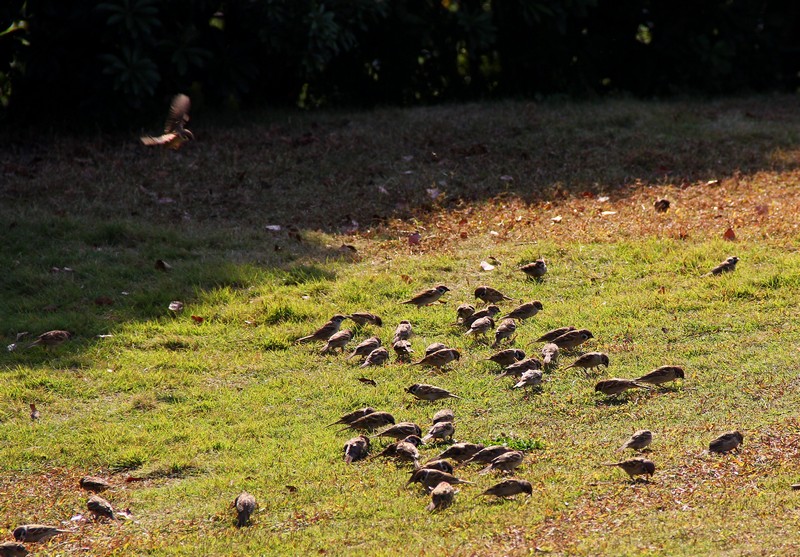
(273, 223)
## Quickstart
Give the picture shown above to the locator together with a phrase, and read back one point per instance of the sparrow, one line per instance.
(663, 374)
(429, 392)
(403, 349)
(400, 431)
(100, 507)
(550, 336)
(505, 462)
(572, 339)
(362, 318)
(377, 357)
(590, 360)
(51, 338)
(549, 353)
(434, 347)
(490, 295)
(431, 478)
(531, 378)
(487, 454)
(635, 467)
(338, 340)
(520, 367)
(525, 311)
(35, 414)
(509, 488)
(441, 497)
(489, 311)
(36, 532)
(535, 270)
(464, 312)
(507, 357)
(480, 326)
(726, 442)
(402, 332)
(175, 133)
(94, 484)
(441, 465)
(325, 332)
(440, 358)
(427, 297)
(365, 347)
(353, 416)
(725, 267)
(442, 430)
(443, 415)
(371, 422)
(12, 549)
(405, 449)
(245, 505)
(661, 205)
(460, 451)
(615, 386)
(638, 441)
(505, 330)
(356, 449)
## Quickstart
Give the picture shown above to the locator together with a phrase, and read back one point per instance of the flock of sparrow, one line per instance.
(436, 474)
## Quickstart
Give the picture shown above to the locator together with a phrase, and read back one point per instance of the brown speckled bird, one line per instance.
(505, 330)
(441, 497)
(490, 295)
(429, 392)
(363, 318)
(553, 334)
(661, 375)
(12, 549)
(535, 270)
(518, 368)
(365, 347)
(635, 467)
(487, 455)
(371, 422)
(405, 449)
(525, 311)
(464, 312)
(431, 478)
(51, 339)
(245, 505)
(404, 331)
(403, 350)
(440, 358)
(531, 378)
(661, 205)
(338, 340)
(427, 297)
(35, 414)
(615, 386)
(509, 488)
(94, 484)
(36, 532)
(442, 430)
(549, 353)
(489, 311)
(356, 449)
(175, 132)
(325, 332)
(443, 415)
(572, 339)
(434, 347)
(377, 357)
(506, 462)
(590, 360)
(480, 326)
(638, 441)
(507, 357)
(100, 507)
(439, 464)
(349, 418)
(400, 431)
(460, 452)
(726, 442)
(725, 267)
